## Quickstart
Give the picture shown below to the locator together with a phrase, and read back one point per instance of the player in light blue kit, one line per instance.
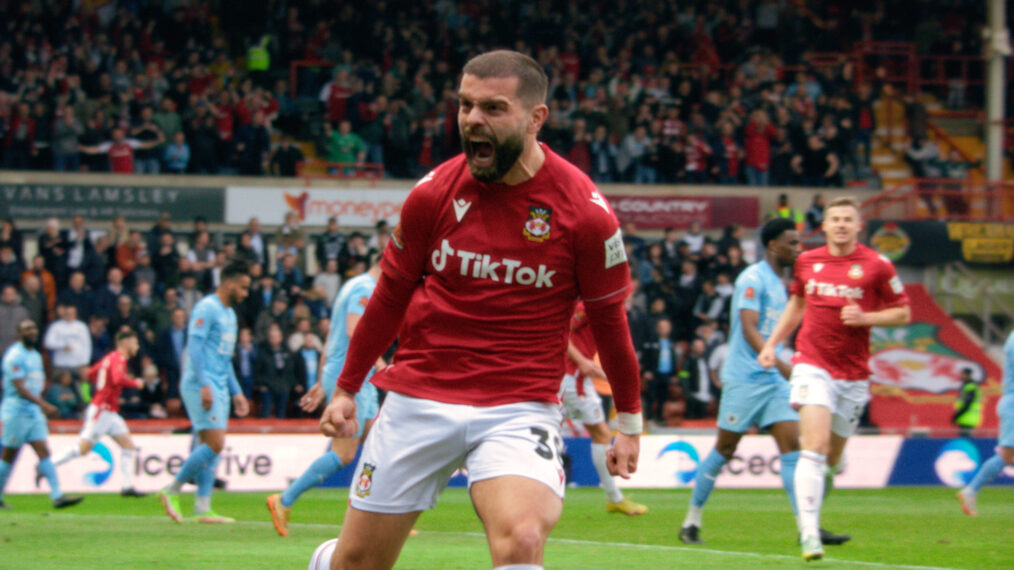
(23, 412)
(751, 395)
(1005, 443)
(206, 386)
(348, 308)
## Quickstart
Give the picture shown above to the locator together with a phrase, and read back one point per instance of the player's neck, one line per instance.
(530, 161)
(772, 260)
(841, 250)
(223, 296)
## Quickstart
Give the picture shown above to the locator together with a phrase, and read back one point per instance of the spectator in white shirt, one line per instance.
(69, 341)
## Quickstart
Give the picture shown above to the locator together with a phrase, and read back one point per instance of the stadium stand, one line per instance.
(763, 93)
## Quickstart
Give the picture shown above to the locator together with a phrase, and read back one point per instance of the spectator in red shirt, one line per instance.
(757, 141)
(121, 150)
(729, 156)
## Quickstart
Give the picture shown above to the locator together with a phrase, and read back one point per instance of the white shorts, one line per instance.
(813, 386)
(99, 422)
(585, 408)
(416, 445)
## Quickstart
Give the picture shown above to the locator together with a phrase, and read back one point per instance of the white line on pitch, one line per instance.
(663, 547)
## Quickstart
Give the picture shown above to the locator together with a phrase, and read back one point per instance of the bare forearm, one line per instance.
(791, 318)
(890, 317)
(19, 385)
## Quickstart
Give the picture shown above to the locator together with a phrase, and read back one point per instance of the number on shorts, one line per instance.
(543, 449)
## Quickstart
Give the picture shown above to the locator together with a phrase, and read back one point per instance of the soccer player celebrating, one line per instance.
(838, 292)
(580, 402)
(23, 412)
(206, 386)
(348, 309)
(752, 395)
(102, 417)
(1005, 444)
(479, 281)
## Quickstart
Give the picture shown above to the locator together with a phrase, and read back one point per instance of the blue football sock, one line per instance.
(325, 466)
(198, 460)
(789, 461)
(5, 470)
(705, 480)
(989, 470)
(49, 472)
(206, 478)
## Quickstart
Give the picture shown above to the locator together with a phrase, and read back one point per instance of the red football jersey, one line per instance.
(581, 337)
(499, 270)
(826, 281)
(110, 378)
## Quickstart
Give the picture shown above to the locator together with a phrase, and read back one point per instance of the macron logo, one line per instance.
(460, 207)
(599, 201)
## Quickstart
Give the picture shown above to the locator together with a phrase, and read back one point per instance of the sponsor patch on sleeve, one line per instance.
(749, 294)
(199, 323)
(896, 285)
(396, 237)
(615, 254)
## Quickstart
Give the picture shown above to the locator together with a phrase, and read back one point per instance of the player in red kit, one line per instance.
(102, 416)
(479, 282)
(580, 402)
(838, 292)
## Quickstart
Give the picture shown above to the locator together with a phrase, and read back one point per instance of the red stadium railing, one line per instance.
(923, 199)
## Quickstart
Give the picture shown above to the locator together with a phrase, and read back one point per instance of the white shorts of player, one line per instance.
(99, 422)
(416, 445)
(813, 386)
(586, 408)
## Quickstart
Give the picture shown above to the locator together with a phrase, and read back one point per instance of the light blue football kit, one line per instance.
(992, 467)
(751, 394)
(23, 420)
(351, 300)
(211, 340)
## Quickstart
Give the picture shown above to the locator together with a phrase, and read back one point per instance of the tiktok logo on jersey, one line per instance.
(832, 290)
(482, 266)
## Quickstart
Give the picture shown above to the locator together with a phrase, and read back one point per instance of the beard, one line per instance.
(30, 342)
(505, 154)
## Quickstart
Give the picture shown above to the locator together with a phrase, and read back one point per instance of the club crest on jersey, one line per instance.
(365, 483)
(856, 271)
(537, 227)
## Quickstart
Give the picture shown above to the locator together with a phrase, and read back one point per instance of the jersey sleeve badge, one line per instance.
(199, 323)
(615, 253)
(749, 294)
(537, 227)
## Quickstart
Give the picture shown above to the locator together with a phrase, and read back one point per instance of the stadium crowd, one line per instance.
(85, 282)
(642, 92)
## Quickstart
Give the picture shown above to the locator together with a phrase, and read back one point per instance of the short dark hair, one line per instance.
(774, 229)
(532, 80)
(124, 334)
(235, 268)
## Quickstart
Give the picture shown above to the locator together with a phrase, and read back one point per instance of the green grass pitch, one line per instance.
(891, 528)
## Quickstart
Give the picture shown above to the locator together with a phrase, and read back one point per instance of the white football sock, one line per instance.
(693, 517)
(126, 467)
(598, 453)
(809, 483)
(201, 505)
(66, 456)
